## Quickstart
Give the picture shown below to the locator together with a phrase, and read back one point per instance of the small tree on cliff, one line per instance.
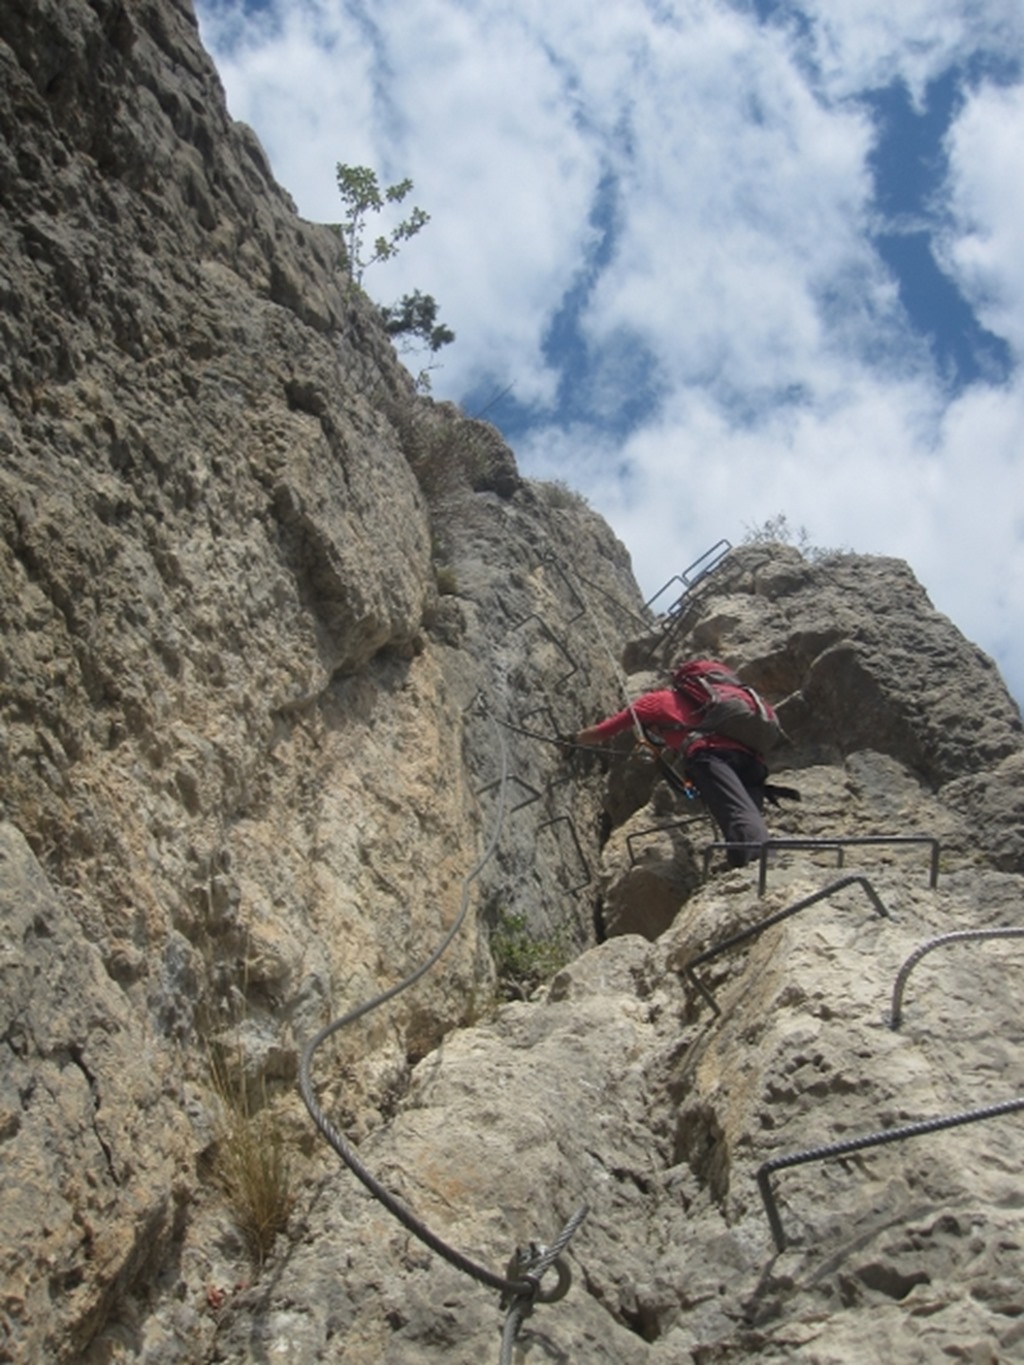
(415, 314)
(362, 194)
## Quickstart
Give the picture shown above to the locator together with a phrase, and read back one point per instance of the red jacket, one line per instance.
(672, 718)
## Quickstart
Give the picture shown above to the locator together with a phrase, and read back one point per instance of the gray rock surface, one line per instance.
(286, 650)
(88, 1197)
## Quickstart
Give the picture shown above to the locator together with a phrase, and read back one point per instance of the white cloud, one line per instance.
(741, 270)
(987, 252)
(867, 45)
(296, 76)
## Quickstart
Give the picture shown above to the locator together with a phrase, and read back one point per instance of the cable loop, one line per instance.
(529, 1266)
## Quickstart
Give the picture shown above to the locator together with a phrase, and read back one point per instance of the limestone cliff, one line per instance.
(285, 650)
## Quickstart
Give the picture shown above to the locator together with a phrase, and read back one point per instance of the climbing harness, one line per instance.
(519, 1289)
(676, 780)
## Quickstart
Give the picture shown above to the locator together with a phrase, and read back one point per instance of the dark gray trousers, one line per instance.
(731, 785)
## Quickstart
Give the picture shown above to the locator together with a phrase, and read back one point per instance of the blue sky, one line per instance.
(707, 261)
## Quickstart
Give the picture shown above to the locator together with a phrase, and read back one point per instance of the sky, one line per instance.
(708, 262)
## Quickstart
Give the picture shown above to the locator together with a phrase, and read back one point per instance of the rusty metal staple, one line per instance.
(560, 645)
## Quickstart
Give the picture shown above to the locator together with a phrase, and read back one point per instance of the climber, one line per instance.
(729, 775)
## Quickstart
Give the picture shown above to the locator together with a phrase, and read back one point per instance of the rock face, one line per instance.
(286, 648)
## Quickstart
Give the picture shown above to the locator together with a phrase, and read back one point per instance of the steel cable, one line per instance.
(522, 1289)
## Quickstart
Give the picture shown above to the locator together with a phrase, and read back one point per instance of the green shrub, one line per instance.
(361, 193)
(447, 583)
(413, 319)
(415, 316)
(521, 961)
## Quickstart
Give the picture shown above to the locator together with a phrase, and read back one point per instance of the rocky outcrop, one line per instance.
(287, 650)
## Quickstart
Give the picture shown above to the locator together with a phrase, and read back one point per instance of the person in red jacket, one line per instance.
(729, 776)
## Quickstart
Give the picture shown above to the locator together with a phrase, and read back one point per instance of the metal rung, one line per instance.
(613, 601)
(959, 936)
(839, 844)
(543, 710)
(755, 929)
(704, 565)
(556, 820)
(858, 1144)
(535, 795)
(561, 779)
(559, 568)
(546, 630)
(658, 829)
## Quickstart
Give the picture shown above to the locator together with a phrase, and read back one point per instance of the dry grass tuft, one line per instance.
(250, 1162)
